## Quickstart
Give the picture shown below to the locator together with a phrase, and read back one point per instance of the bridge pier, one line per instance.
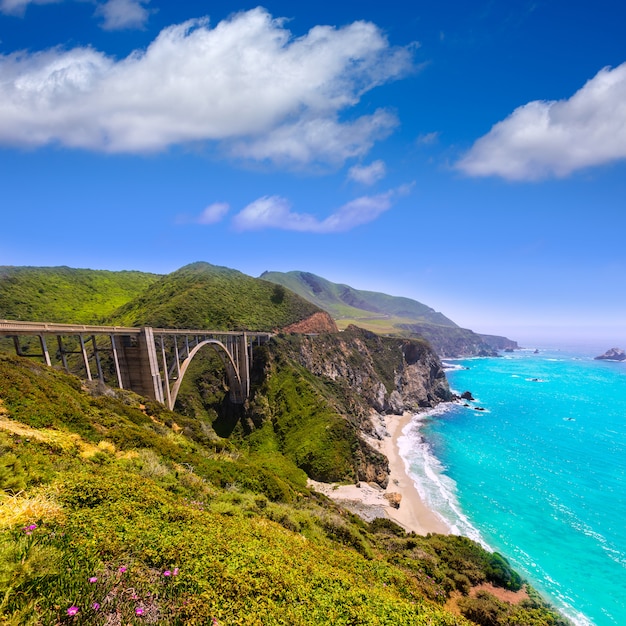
(138, 366)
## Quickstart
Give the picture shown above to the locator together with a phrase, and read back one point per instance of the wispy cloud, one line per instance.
(18, 7)
(276, 212)
(555, 138)
(427, 139)
(116, 14)
(368, 174)
(123, 14)
(214, 213)
(246, 83)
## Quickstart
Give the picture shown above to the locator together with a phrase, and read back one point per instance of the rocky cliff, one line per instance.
(323, 396)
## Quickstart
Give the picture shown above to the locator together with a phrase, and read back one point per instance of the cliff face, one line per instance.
(459, 342)
(320, 322)
(323, 396)
(389, 375)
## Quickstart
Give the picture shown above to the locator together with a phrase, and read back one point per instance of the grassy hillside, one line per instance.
(388, 315)
(63, 294)
(113, 510)
(345, 302)
(201, 295)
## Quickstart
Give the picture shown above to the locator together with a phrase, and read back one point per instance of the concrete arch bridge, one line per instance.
(149, 361)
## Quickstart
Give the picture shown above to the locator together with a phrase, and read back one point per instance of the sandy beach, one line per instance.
(371, 501)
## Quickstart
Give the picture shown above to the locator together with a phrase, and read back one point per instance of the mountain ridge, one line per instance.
(390, 315)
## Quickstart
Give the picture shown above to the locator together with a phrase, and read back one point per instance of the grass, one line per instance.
(128, 513)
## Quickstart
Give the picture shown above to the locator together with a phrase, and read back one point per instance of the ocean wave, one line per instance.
(435, 487)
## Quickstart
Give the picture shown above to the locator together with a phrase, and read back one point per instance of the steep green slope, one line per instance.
(201, 295)
(343, 301)
(389, 315)
(113, 511)
(63, 294)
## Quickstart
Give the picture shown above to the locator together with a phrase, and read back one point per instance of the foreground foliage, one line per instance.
(117, 511)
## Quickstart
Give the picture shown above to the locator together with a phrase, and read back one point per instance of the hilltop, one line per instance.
(390, 315)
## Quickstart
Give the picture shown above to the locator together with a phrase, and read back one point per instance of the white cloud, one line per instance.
(18, 7)
(122, 14)
(276, 212)
(246, 83)
(556, 138)
(427, 139)
(214, 213)
(368, 174)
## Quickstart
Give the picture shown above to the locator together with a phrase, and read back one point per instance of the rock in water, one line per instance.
(614, 354)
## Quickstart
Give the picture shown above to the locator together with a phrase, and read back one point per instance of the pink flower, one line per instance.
(175, 572)
(122, 569)
(167, 573)
(93, 579)
(95, 606)
(138, 611)
(72, 610)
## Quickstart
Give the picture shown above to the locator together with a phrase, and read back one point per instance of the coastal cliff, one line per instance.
(320, 398)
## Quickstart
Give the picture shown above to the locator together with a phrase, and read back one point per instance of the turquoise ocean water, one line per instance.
(539, 476)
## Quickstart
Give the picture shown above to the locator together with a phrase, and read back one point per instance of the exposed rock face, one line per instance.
(458, 342)
(370, 375)
(390, 375)
(614, 354)
(320, 322)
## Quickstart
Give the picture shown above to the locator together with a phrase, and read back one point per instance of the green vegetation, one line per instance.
(201, 295)
(388, 315)
(114, 510)
(342, 301)
(66, 295)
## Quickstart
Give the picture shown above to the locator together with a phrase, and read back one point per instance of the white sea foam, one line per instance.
(435, 487)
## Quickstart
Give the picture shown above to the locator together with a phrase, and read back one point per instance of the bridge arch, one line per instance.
(237, 392)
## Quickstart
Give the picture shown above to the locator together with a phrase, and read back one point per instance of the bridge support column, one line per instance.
(138, 365)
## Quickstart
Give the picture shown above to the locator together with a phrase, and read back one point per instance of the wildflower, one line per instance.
(32, 527)
(167, 573)
(175, 572)
(138, 611)
(93, 579)
(122, 569)
(72, 610)
(95, 606)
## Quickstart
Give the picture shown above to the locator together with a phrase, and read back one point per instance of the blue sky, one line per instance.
(470, 155)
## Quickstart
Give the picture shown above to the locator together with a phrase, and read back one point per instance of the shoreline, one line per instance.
(369, 500)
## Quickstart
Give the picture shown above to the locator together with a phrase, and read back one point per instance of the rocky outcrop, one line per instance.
(320, 322)
(366, 375)
(389, 375)
(453, 342)
(613, 354)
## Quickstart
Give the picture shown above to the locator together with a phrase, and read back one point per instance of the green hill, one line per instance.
(201, 295)
(389, 315)
(345, 302)
(114, 510)
(64, 294)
